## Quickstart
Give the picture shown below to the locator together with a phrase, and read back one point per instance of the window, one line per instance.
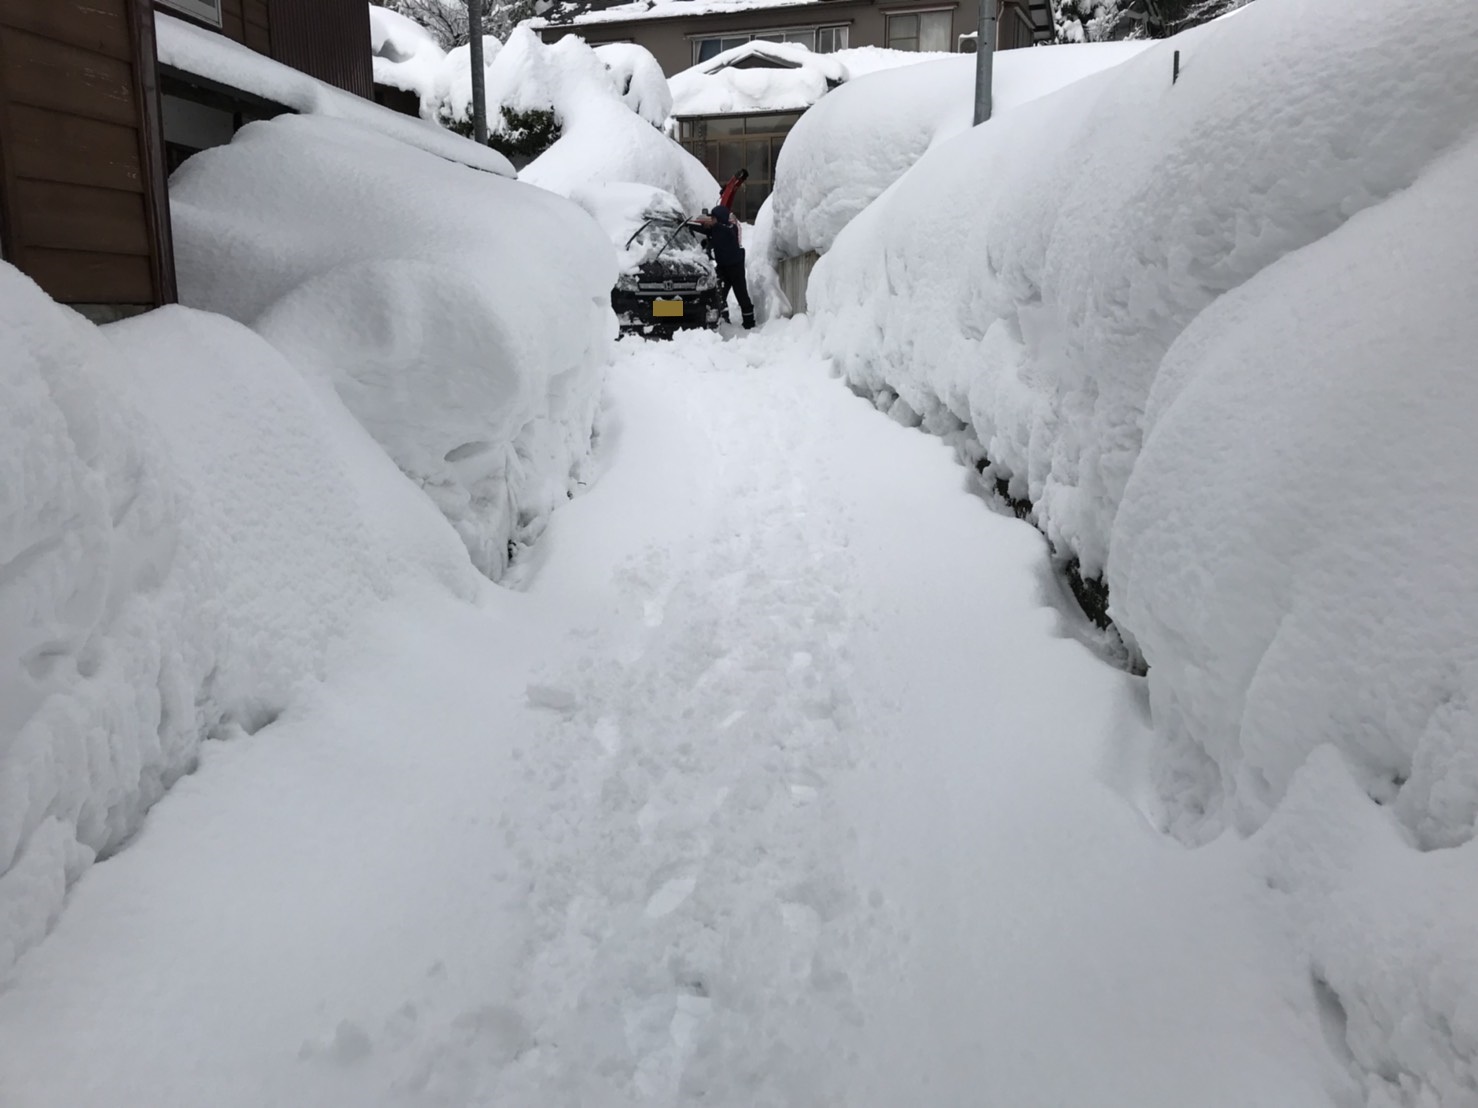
(705, 48)
(207, 11)
(727, 143)
(830, 39)
(920, 30)
(823, 40)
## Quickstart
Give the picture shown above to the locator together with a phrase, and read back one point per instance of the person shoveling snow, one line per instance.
(726, 238)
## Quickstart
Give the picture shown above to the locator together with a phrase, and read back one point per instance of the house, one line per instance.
(92, 121)
(684, 33)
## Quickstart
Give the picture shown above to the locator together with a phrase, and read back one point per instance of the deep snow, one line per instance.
(782, 782)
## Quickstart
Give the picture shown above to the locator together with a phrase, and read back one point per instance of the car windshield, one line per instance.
(664, 234)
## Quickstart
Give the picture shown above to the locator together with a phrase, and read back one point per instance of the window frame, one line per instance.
(889, 15)
(205, 11)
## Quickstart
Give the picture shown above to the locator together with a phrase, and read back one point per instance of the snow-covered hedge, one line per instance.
(1022, 286)
(187, 527)
(607, 105)
(610, 112)
(861, 138)
(464, 318)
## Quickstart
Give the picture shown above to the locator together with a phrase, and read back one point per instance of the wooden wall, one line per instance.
(82, 203)
(327, 39)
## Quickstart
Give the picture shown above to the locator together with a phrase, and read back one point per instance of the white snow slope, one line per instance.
(847, 150)
(464, 318)
(780, 784)
(1216, 333)
(188, 528)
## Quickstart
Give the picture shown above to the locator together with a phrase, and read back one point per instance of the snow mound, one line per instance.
(1293, 551)
(463, 318)
(776, 76)
(847, 150)
(1219, 334)
(1027, 277)
(187, 527)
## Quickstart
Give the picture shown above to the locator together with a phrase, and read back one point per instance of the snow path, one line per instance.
(781, 783)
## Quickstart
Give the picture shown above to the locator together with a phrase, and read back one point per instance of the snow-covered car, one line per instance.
(668, 279)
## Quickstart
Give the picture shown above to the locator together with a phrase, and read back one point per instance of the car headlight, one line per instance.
(627, 282)
(706, 282)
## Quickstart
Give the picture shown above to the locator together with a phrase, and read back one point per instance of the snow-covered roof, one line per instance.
(577, 13)
(216, 58)
(570, 15)
(776, 76)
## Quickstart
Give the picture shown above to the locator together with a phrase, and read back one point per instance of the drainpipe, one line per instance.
(985, 56)
(479, 90)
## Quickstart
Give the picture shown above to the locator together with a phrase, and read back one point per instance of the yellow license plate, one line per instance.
(662, 308)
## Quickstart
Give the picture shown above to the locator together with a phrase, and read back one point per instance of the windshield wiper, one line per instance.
(681, 226)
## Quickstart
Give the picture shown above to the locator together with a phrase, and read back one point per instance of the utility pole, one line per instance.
(479, 86)
(985, 57)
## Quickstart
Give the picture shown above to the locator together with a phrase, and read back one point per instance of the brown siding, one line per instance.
(78, 181)
(258, 25)
(233, 20)
(327, 39)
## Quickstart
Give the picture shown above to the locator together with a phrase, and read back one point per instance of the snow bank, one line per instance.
(463, 318)
(846, 151)
(792, 79)
(1027, 277)
(215, 57)
(1294, 552)
(1219, 334)
(1022, 286)
(1294, 548)
(187, 527)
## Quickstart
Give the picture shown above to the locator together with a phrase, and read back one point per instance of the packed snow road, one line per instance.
(780, 780)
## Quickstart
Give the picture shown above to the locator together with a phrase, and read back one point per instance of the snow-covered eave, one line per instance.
(218, 61)
(791, 110)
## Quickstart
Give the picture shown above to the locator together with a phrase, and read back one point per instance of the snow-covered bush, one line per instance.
(569, 114)
(403, 54)
(639, 80)
(464, 318)
(859, 139)
(187, 526)
(1023, 283)
(604, 139)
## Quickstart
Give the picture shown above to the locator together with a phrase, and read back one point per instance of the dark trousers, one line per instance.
(731, 276)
